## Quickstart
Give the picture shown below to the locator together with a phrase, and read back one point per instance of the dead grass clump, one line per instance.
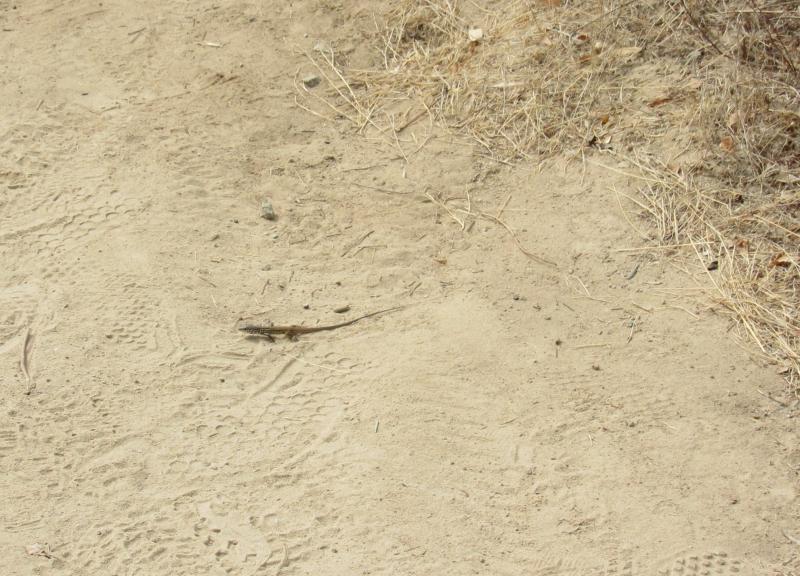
(703, 95)
(751, 261)
(521, 81)
(738, 202)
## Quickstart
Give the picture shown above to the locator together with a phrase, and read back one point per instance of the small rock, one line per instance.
(321, 46)
(267, 211)
(311, 80)
(214, 237)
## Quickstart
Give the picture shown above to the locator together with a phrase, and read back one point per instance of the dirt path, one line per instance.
(515, 418)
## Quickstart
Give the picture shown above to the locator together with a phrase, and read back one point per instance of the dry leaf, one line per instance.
(780, 260)
(580, 39)
(604, 119)
(727, 144)
(659, 101)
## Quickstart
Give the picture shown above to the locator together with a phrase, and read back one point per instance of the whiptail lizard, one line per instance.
(293, 330)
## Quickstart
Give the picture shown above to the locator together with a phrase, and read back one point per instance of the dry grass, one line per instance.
(702, 95)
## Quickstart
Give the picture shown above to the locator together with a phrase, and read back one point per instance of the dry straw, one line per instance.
(528, 79)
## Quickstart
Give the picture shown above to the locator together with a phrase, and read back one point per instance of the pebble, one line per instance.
(311, 80)
(267, 211)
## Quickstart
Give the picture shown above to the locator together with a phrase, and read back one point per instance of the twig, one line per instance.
(299, 359)
(522, 249)
(284, 561)
(359, 168)
(605, 14)
(791, 538)
(503, 206)
(443, 205)
(23, 361)
(702, 29)
(377, 189)
(586, 291)
(765, 395)
(633, 328)
(411, 121)
(356, 243)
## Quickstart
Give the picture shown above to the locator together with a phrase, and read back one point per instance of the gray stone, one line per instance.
(267, 211)
(311, 80)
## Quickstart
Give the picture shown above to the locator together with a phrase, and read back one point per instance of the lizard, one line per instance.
(293, 330)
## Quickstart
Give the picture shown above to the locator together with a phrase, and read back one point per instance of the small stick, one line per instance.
(356, 243)
(410, 122)
(503, 207)
(522, 249)
(386, 190)
(284, 560)
(689, 312)
(321, 366)
(765, 395)
(791, 538)
(357, 168)
(633, 329)
(23, 361)
(654, 247)
(588, 295)
(443, 205)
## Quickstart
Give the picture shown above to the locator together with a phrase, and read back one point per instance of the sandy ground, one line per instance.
(507, 421)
